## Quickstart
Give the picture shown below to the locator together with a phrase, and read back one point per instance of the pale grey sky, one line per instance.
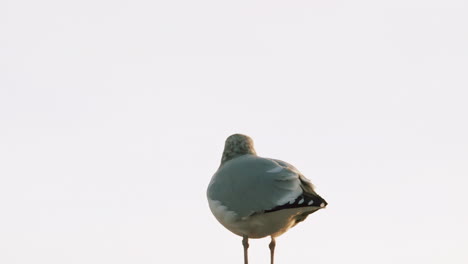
(113, 116)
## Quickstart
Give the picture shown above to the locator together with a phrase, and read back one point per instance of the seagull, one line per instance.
(256, 197)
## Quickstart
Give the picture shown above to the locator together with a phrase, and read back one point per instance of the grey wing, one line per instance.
(308, 197)
(249, 185)
(305, 183)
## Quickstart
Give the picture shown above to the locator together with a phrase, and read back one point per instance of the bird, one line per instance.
(256, 197)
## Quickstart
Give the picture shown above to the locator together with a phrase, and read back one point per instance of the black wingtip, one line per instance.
(314, 200)
(322, 202)
(303, 200)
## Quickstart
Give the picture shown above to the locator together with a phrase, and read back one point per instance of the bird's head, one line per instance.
(237, 145)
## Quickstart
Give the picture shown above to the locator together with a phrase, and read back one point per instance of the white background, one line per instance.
(113, 116)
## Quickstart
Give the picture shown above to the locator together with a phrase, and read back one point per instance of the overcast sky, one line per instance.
(113, 116)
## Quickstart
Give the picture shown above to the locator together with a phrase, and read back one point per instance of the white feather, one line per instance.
(275, 169)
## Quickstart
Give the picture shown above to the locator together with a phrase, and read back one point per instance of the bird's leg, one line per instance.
(245, 243)
(272, 249)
